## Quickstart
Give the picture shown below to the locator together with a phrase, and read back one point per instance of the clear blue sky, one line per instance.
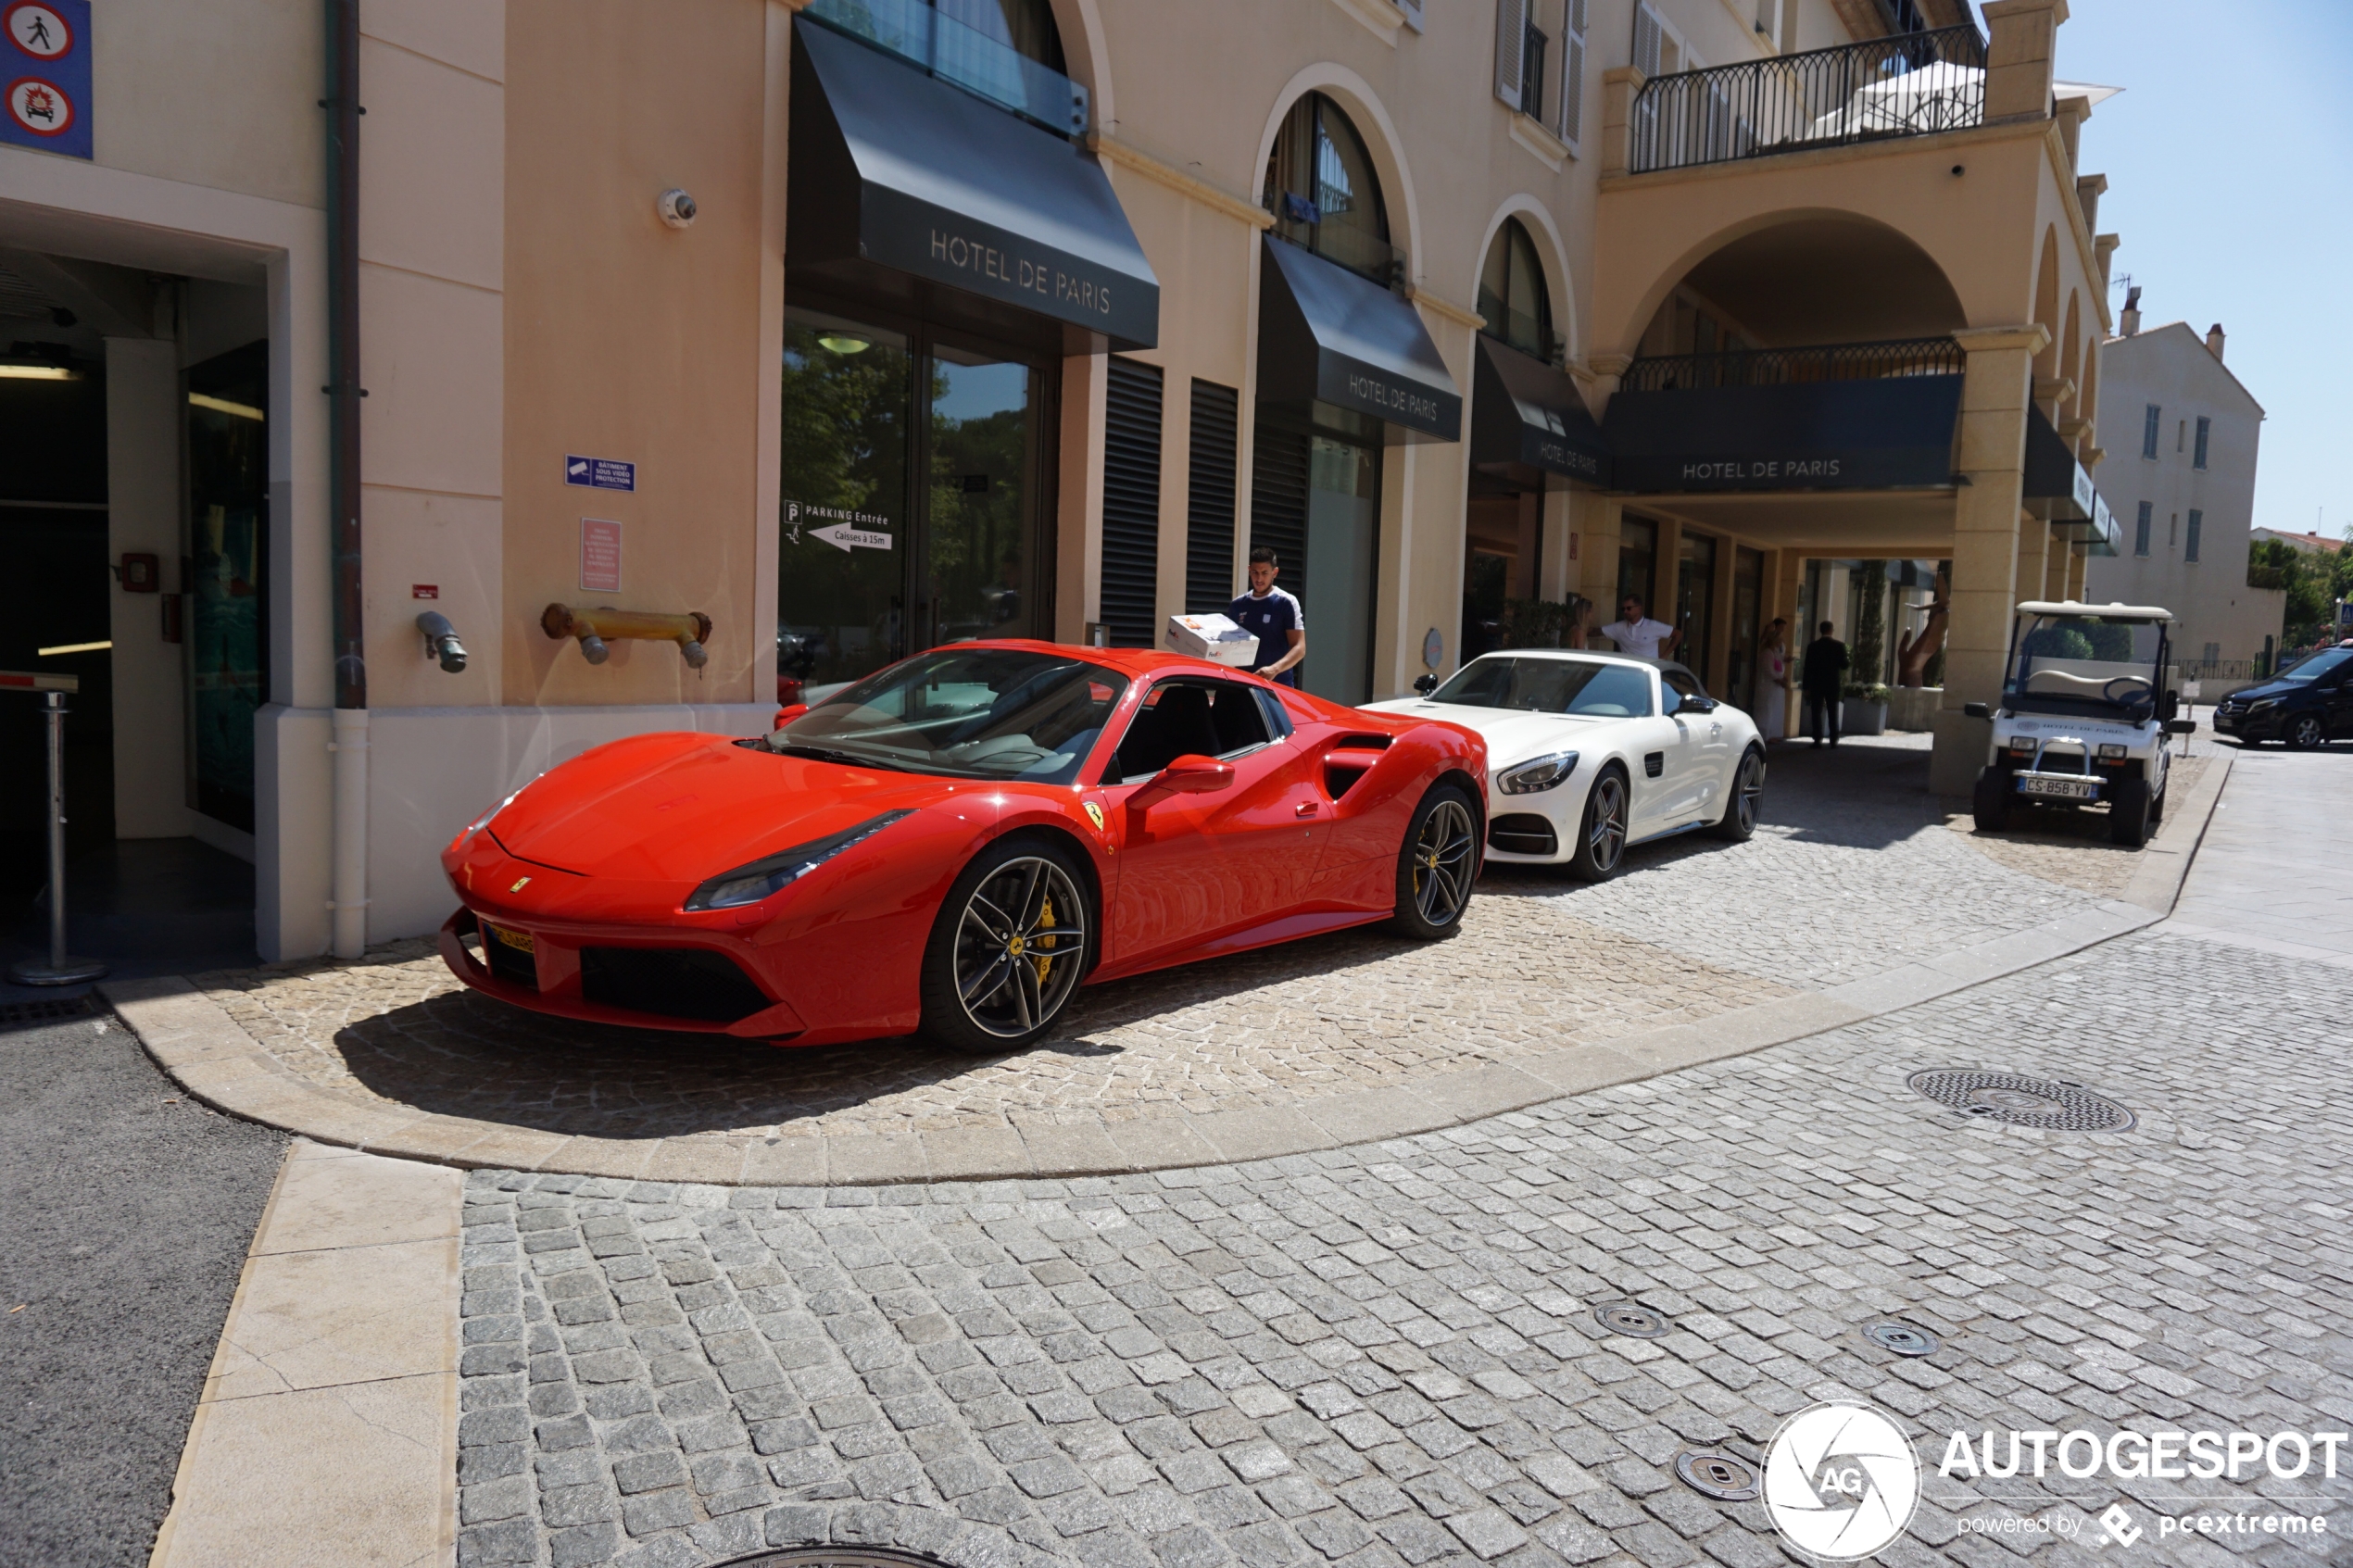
(2230, 165)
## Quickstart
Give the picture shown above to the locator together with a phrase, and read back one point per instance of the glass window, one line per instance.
(1589, 688)
(1322, 190)
(1026, 27)
(2189, 541)
(970, 713)
(2204, 427)
(1188, 717)
(2086, 664)
(2141, 529)
(229, 557)
(2150, 429)
(1677, 684)
(2319, 664)
(1512, 293)
(1637, 562)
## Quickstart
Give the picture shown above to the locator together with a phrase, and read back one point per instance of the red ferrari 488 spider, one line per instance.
(954, 844)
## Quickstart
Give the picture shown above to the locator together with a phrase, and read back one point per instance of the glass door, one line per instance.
(1343, 532)
(228, 501)
(1695, 602)
(1748, 598)
(872, 564)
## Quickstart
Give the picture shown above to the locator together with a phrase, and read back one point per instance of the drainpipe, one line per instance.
(350, 744)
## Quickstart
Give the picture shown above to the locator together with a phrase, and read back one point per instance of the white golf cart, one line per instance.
(2083, 717)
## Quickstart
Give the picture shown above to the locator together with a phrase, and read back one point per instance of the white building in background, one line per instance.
(2180, 431)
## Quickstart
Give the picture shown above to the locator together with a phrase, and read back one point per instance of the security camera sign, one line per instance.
(44, 73)
(600, 473)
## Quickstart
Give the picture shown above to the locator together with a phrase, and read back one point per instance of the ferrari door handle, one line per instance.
(1308, 810)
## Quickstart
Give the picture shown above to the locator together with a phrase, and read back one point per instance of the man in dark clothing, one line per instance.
(1274, 618)
(1824, 674)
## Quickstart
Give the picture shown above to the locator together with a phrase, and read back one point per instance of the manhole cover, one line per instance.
(834, 1556)
(2047, 1103)
(1719, 1475)
(1901, 1337)
(1625, 1317)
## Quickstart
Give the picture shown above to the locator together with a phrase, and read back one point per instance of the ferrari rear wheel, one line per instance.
(1008, 950)
(1601, 835)
(1437, 865)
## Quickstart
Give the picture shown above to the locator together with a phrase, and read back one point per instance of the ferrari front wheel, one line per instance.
(1437, 865)
(1008, 950)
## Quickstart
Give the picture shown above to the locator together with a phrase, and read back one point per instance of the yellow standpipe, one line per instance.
(596, 627)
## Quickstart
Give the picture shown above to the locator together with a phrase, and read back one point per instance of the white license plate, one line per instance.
(2063, 789)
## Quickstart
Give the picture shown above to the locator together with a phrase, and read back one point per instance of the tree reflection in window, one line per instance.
(1323, 191)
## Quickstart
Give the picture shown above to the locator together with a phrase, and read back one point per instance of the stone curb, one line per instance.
(210, 1054)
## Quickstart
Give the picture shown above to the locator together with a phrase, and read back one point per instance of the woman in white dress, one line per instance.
(1772, 683)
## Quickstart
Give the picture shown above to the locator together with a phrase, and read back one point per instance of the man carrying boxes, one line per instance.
(1275, 617)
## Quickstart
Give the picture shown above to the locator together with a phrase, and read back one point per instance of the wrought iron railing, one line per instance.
(1792, 367)
(985, 66)
(1912, 84)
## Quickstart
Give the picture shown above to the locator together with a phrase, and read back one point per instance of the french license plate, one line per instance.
(2063, 789)
(518, 940)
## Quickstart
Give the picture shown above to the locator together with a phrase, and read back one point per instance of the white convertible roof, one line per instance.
(2109, 612)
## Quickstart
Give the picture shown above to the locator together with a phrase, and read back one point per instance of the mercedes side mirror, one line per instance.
(1697, 705)
(2181, 726)
(1425, 683)
(1976, 710)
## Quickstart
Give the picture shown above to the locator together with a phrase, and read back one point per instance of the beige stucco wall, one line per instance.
(2170, 366)
(223, 94)
(627, 339)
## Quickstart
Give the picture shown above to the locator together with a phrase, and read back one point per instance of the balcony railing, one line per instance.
(944, 47)
(1912, 84)
(1795, 367)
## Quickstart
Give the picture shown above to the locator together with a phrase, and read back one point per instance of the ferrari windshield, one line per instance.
(1588, 688)
(2087, 665)
(968, 712)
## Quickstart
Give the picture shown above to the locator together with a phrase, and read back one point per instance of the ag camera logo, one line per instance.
(1840, 1481)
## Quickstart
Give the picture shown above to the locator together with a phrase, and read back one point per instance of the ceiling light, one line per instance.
(222, 405)
(38, 372)
(845, 343)
(74, 647)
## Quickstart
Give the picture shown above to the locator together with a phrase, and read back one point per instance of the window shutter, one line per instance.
(1572, 119)
(2149, 432)
(1209, 506)
(2141, 529)
(1511, 44)
(2205, 428)
(2189, 540)
(1278, 497)
(1131, 502)
(1647, 39)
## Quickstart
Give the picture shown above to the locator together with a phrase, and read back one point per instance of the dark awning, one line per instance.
(1891, 433)
(1528, 419)
(893, 169)
(2056, 487)
(1327, 335)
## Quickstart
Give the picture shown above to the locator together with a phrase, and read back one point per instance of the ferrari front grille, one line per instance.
(670, 982)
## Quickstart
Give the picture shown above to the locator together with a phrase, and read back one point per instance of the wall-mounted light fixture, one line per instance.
(596, 628)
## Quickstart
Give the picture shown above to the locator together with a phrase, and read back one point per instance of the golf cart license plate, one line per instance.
(2065, 789)
(518, 940)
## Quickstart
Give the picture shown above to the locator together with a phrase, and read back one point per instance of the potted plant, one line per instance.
(1863, 712)
(1534, 623)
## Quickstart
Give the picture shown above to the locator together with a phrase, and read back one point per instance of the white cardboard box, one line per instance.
(1213, 637)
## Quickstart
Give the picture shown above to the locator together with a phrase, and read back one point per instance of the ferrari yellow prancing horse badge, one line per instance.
(1094, 814)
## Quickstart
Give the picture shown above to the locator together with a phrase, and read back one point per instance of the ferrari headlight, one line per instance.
(1527, 778)
(750, 883)
(2111, 752)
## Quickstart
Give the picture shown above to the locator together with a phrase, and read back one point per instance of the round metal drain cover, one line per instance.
(2021, 1101)
(1628, 1318)
(1902, 1337)
(1719, 1475)
(834, 1556)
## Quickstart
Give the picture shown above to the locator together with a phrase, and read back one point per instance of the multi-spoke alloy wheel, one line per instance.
(1747, 798)
(1601, 841)
(1437, 865)
(1008, 949)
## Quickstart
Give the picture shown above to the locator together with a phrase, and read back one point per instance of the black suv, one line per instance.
(2308, 704)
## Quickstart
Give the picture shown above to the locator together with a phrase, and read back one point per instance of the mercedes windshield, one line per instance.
(1591, 688)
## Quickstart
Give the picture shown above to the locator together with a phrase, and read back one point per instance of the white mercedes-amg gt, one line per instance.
(1588, 753)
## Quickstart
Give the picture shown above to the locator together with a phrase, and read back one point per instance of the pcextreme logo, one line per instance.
(1840, 1481)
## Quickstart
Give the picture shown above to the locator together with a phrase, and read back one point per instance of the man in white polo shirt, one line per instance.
(1635, 634)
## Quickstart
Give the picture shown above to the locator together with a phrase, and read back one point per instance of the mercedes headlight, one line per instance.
(1527, 778)
(750, 883)
(2263, 704)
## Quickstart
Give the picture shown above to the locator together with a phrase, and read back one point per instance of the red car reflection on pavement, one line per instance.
(954, 844)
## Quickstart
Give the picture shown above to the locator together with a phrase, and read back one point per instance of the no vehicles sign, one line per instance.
(45, 71)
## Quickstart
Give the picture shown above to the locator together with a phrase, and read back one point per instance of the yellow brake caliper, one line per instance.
(1046, 922)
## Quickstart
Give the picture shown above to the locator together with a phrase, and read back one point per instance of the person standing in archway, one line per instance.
(1824, 676)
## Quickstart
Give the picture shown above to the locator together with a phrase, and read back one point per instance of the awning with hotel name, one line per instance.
(1888, 433)
(1528, 419)
(892, 169)
(1327, 335)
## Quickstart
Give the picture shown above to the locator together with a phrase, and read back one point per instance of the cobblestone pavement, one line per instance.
(1851, 875)
(1387, 1355)
(2068, 846)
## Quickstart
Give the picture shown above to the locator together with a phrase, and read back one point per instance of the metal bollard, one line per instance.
(60, 969)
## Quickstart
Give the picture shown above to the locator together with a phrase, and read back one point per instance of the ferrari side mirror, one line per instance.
(1195, 774)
